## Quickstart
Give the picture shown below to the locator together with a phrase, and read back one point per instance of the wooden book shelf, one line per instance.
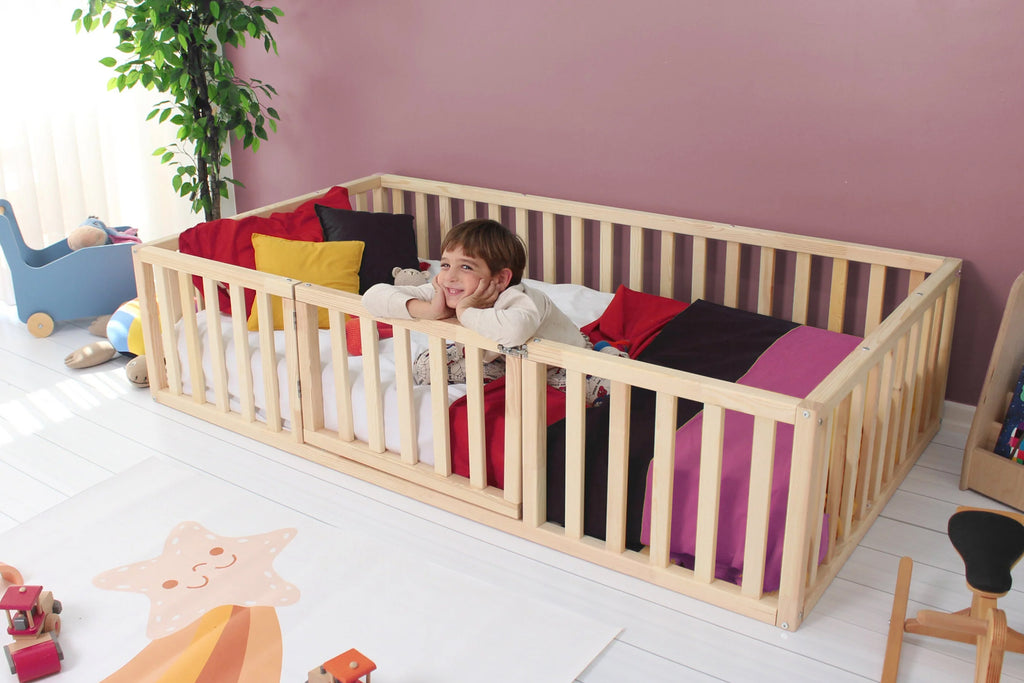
(984, 471)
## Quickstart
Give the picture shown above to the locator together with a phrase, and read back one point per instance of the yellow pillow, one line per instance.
(331, 264)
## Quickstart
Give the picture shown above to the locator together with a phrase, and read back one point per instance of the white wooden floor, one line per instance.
(62, 431)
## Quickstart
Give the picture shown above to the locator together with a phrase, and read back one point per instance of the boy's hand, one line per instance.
(435, 309)
(484, 296)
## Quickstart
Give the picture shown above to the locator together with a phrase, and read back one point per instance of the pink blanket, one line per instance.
(793, 365)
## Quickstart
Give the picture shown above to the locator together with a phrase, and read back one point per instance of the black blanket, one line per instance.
(706, 339)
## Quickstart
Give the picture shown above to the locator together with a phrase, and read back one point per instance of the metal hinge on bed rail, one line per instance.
(519, 351)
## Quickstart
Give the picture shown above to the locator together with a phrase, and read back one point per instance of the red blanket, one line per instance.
(632, 320)
(494, 419)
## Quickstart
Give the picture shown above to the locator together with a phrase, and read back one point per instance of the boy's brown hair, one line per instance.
(491, 241)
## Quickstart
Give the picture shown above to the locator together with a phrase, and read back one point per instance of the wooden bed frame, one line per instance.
(855, 436)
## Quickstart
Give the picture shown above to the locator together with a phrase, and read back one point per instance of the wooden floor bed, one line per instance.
(855, 434)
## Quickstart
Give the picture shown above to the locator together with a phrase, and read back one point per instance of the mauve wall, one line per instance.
(898, 123)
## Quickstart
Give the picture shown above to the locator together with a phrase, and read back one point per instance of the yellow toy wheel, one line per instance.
(40, 325)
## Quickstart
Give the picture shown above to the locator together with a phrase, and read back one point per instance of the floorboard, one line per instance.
(63, 430)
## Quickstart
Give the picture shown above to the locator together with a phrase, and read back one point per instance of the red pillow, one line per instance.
(633, 319)
(229, 240)
(305, 220)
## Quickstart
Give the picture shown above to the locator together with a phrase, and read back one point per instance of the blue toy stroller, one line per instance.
(56, 283)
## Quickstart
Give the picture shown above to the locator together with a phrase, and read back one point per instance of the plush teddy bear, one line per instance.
(410, 276)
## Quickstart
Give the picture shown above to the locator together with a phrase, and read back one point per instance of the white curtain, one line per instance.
(69, 148)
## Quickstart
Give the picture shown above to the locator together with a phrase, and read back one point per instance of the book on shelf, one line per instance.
(1009, 444)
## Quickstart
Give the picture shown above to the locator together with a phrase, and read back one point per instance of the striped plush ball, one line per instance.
(124, 330)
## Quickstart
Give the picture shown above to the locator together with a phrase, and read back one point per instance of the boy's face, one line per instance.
(461, 275)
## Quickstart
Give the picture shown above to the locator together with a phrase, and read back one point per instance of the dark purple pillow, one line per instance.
(390, 241)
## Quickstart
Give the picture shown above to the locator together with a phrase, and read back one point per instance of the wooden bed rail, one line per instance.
(855, 436)
(841, 286)
(166, 276)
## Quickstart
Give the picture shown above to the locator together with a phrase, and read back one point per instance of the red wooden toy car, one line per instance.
(33, 623)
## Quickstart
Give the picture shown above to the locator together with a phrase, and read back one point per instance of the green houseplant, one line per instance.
(177, 47)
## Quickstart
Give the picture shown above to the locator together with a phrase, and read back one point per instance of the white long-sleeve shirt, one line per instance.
(519, 314)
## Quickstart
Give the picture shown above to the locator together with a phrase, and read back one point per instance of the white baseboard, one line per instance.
(957, 417)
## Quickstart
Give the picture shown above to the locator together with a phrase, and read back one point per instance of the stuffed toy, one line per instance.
(410, 276)
(123, 332)
(93, 232)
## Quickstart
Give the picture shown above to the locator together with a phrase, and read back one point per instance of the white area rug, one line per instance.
(333, 587)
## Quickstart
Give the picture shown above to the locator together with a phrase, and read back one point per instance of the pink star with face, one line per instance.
(200, 570)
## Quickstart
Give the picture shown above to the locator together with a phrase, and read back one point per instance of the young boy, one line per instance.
(480, 283)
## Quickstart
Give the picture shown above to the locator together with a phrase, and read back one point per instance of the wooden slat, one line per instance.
(883, 416)
(342, 381)
(513, 484)
(851, 475)
(636, 258)
(868, 452)
(522, 229)
(494, 212)
(240, 335)
(618, 466)
(910, 395)
(700, 266)
(190, 330)
(407, 414)
(291, 364)
(837, 294)
(808, 439)
(815, 520)
(397, 201)
(762, 462)
(668, 265)
(216, 336)
(374, 392)
(802, 288)
(709, 492)
(915, 280)
(661, 486)
(149, 317)
(876, 298)
(439, 406)
(607, 253)
(167, 322)
(574, 453)
(836, 471)
(268, 360)
(945, 345)
(377, 194)
(475, 417)
(468, 210)
(918, 423)
(576, 254)
(534, 444)
(311, 365)
(444, 209)
(548, 255)
(896, 394)
(766, 281)
(422, 226)
(732, 274)
(360, 201)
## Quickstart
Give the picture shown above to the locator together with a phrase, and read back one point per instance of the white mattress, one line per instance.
(581, 304)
